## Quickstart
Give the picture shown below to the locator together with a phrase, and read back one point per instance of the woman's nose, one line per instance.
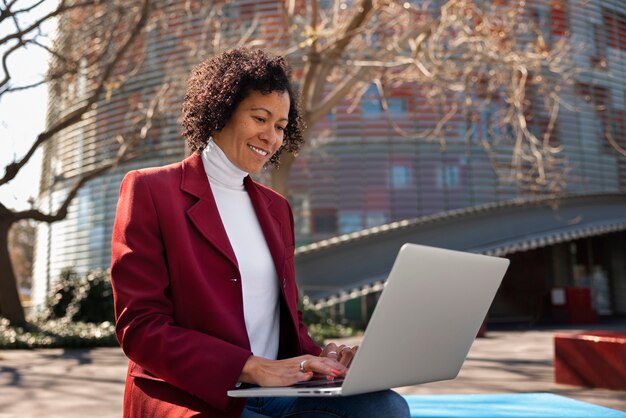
(270, 136)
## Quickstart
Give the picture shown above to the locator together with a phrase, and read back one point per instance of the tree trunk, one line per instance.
(280, 176)
(10, 305)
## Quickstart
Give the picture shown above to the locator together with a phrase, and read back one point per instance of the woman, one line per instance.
(202, 260)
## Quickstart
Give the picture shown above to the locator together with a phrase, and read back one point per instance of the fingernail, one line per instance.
(330, 378)
(335, 372)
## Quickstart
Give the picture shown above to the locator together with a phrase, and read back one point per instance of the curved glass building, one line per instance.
(358, 172)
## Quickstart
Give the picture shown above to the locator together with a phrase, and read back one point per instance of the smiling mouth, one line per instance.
(259, 151)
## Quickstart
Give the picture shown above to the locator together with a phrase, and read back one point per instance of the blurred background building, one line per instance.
(360, 173)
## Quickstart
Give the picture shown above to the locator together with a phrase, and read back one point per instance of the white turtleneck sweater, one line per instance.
(259, 280)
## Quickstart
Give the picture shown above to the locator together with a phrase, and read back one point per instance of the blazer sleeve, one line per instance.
(307, 344)
(200, 364)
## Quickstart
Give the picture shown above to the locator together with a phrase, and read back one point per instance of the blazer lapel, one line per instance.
(271, 225)
(204, 214)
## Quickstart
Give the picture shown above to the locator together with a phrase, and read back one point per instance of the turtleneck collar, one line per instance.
(220, 170)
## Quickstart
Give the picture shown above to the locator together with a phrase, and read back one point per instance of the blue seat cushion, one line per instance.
(545, 405)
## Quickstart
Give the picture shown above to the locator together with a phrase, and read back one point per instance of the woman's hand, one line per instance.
(263, 372)
(342, 353)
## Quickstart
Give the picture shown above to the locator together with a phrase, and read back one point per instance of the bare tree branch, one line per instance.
(313, 57)
(66, 66)
(6, 12)
(62, 8)
(29, 8)
(616, 146)
(334, 52)
(125, 153)
(76, 115)
(5, 66)
(332, 99)
(24, 87)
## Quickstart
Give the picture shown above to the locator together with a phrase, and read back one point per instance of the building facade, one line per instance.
(359, 172)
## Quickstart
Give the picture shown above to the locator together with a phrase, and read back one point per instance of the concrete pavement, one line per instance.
(79, 382)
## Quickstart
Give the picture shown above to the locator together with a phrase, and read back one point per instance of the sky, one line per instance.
(22, 118)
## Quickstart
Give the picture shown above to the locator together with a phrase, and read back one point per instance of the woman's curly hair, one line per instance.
(217, 86)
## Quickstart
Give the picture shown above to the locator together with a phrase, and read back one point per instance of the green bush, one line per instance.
(78, 313)
(57, 334)
(81, 299)
(321, 332)
(93, 299)
(61, 294)
(322, 328)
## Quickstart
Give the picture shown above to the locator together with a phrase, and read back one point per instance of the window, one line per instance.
(56, 167)
(540, 17)
(448, 176)
(325, 221)
(230, 19)
(230, 11)
(598, 60)
(550, 19)
(558, 15)
(375, 218)
(371, 106)
(81, 81)
(83, 204)
(396, 105)
(600, 101)
(301, 207)
(400, 176)
(615, 24)
(350, 221)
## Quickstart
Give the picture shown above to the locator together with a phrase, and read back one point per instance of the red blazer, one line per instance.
(177, 291)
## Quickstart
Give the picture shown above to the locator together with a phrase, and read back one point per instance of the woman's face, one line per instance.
(255, 130)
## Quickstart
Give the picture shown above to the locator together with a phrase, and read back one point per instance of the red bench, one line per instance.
(593, 359)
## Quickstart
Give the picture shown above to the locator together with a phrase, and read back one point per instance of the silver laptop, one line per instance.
(422, 328)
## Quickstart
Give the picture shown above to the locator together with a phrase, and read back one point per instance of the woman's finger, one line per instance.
(342, 350)
(281, 372)
(297, 369)
(331, 350)
(325, 366)
(347, 356)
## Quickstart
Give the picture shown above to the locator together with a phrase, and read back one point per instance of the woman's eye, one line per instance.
(259, 119)
(281, 128)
